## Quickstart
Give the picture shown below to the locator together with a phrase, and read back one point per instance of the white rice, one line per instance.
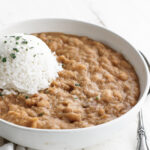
(27, 65)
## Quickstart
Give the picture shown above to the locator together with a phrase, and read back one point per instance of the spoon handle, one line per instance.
(142, 140)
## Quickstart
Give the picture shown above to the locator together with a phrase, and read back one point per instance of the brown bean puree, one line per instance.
(97, 85)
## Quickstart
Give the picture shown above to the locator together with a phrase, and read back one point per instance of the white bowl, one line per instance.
(76, 138)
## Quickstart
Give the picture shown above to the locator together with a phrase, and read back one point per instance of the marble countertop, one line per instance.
(128, 18)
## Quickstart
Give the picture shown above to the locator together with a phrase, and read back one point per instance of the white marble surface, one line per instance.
(128, 18)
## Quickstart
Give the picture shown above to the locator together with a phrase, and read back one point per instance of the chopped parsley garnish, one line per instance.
(41, 114)
(5, 42)
(75, 98)
(15, 49)
(18, 37)
(1, 94)
(47, 91)
(12, 36)
(62, 65)
(31, 47)
(77, 84)
(26, 49)
(97, 98)
(26, 97)
(24, 42)
(17, 43)
(34, 55)
(12, 55)
(4, 59)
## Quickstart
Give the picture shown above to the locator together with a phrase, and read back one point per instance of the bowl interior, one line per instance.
(92, 31)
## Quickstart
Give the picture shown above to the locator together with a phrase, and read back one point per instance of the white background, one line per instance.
(128, 18)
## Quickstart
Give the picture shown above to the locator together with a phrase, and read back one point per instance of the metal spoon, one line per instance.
(142, 139)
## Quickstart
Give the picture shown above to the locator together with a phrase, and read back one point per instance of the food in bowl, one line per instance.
(95, 86)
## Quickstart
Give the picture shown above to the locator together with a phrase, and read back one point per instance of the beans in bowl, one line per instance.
(96, 85)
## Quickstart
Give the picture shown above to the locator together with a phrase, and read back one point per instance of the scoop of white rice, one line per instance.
(27, 65)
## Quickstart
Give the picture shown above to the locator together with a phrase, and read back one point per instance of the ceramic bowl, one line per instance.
(64, 139)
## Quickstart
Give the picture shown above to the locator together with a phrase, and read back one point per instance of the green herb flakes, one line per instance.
(4, 59)
(41, 114)
(24, 42)
(18, 37)
(1, 94)
(34, 55)
(97, 98)
(77, 84)
(5, 42)
(26, 97)
(47, 91)
(17, 43)
(12, 55)
(75, 98)
(15, 49)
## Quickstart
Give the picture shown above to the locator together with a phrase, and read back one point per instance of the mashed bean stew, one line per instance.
(96, 85)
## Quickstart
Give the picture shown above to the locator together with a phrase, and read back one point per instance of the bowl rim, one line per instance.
(106, 124)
